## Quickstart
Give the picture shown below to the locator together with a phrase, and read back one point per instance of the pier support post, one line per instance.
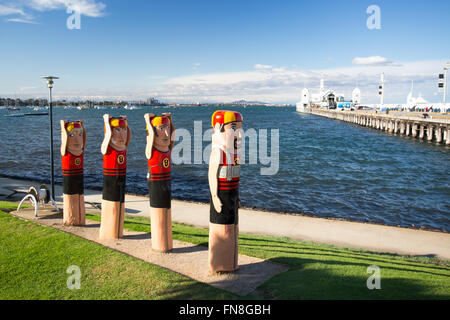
(402, 127)
(414, 130)
(438, 133)
(422, 131)
(408, 128)
(396, 127)
(388, 126)
(447, 140)
(430, 132)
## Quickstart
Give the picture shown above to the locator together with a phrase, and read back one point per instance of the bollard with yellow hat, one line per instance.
(224, 175)
(160, 141)
(73, 144)
(114, 150)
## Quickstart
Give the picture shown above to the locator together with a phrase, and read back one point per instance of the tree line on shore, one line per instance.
(9, 102)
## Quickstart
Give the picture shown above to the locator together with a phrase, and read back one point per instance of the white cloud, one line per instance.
(283, 84)
(23, 89)
(262, 67)
(89, 8)
(276, 85)
(13, 10)
(10, 10)
(20, 11)
(22, 20)
(374, 61)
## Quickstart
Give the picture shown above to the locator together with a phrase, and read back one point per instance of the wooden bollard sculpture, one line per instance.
(160, 140)
(73, 144)
(114, 150)
(224, 173)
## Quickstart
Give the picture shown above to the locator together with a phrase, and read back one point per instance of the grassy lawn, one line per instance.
(34, 258)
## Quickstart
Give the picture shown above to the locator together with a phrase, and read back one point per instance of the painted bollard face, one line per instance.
(233, 135)
(119, 134)
(228, 132)
(162, 133)
(75, 139)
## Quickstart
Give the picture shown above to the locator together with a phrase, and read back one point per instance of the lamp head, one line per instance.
(49, 80)
(447, 65)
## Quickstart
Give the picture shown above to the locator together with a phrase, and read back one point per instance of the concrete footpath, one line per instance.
(342, 233)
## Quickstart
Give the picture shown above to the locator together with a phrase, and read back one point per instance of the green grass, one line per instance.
(319, 271)
(9, 206)
(34, 258)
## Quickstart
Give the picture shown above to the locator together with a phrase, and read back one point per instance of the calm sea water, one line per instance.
(327, 168)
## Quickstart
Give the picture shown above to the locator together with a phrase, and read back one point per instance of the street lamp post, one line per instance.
(381, 90)
(446, 67)
(50, 86)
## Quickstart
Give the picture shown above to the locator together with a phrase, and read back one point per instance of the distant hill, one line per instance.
(249, 102)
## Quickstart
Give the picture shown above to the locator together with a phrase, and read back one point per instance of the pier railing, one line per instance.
(433, 127)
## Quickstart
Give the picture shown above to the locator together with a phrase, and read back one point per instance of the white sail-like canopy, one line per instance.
(356, 96)
(306, 97)
(421, 100)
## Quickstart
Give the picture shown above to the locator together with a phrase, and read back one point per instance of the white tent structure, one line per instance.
(356, 96)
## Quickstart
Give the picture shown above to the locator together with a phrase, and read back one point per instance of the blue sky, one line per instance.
(190, 51)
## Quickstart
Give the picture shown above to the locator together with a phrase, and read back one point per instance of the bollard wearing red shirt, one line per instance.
(114, 150)
(160, 140)
(73, 144)
(224, 175)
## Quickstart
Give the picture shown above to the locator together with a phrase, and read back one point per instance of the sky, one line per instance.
(222, 51)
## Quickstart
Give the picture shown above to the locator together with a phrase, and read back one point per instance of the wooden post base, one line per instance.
(161, 229)
(223, 247)
(113, 214)
(74, 212)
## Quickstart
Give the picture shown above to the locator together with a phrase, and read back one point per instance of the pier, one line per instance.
(433, 127)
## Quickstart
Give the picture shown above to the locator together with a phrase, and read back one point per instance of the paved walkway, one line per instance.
(343, 233)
